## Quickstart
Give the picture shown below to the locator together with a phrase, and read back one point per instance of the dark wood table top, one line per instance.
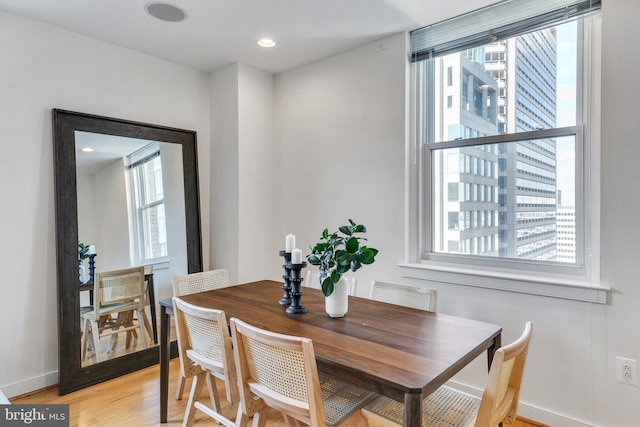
(393, 350)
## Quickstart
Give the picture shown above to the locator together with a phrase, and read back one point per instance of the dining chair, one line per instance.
(118, 292)
(405, 295)
(452, 408)
(189, 284)
(279, 371)
(203, 339)
(128, 318)
(199, 282)
(313, 281)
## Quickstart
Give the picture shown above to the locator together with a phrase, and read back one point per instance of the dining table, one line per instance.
(398, 352)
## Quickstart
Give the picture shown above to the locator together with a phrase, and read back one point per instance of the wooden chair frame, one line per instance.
(280, 372)
(203, 337)
(189, 284)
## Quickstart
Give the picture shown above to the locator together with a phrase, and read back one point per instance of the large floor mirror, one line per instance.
(127, 221)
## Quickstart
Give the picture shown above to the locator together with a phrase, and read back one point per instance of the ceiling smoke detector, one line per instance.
(166, 12)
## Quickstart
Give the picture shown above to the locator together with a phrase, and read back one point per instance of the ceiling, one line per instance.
(217, 33)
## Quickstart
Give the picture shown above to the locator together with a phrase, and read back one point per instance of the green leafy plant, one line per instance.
(83, 252)
(340, 252)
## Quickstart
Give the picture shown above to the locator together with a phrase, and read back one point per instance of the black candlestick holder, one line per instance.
(286, 297)
(295, 279)
(92, 267)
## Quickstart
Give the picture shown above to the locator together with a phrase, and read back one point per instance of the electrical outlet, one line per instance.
(627, 371)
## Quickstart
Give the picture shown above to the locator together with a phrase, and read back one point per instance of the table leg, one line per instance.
(165, 341)
(152, 305)
(412, 410)
(491, 351)
(497, 343)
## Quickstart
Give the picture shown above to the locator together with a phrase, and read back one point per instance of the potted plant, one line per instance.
(336, 254)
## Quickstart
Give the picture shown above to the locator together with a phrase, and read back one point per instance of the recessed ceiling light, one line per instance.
(166, 12)
(266, 43)
(86, 149)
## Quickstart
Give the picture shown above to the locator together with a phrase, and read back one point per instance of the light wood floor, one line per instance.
(134, 400)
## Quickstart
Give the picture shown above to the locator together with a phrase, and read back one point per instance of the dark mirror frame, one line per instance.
(71, 375)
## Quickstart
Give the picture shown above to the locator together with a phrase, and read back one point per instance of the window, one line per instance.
(146, 198)
(526, 143)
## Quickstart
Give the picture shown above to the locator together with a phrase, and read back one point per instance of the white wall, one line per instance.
(617, 404)
(109, 197)
(245, 197)
(45, 68)
(340, 131)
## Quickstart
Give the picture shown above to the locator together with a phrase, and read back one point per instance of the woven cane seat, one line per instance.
(445, 407)
(341, 399)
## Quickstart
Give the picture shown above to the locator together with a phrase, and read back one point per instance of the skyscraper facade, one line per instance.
(497, 199)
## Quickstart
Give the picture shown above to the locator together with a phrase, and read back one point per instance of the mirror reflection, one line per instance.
(131, 214)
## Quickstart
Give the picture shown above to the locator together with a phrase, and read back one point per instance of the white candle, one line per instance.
(296, 256)
(92, 250)
(290, 243)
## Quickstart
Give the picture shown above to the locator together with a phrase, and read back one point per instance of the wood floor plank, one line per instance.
(134, 400)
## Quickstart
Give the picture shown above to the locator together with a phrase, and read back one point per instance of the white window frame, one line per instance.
(577, 283)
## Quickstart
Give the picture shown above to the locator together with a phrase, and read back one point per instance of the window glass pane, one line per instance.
(151, 172)
(535, 183)
(520, 84)
(155, 232)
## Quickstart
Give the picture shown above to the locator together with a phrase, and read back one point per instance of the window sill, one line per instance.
(511, 282)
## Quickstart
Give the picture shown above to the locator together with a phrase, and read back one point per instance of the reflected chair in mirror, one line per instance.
(203, 337)
(405, 295)
(313, 281)
(279, 371)
(119, 293)
(189, 284)
(452, 408)
(148, 271)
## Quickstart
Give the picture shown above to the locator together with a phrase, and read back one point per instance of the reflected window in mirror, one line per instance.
(147, 205)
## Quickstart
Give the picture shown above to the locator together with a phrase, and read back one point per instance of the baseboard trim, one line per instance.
(28, 386)
(530, 412)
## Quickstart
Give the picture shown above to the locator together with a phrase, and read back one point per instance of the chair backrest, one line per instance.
(279, 369)
(405, 295)
(203, 336)
(313, 281)
(199, 282)
(119, 286)
(501, 394)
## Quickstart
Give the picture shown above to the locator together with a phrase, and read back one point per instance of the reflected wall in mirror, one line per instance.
(129, 193)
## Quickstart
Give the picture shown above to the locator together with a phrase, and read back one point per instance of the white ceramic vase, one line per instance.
(337, 304)
(82, 274)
